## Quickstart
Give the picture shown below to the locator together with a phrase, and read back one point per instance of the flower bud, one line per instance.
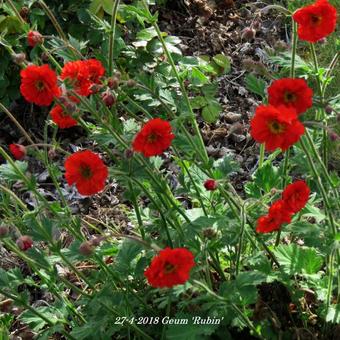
(24, 12)
(4, 230)
(24, 242)
(333, 136)
(6, 306)
(70, 107)
(248, 34)
(95, 88)
(131, 83)
(86, 248)
(113, 83)
(211, 184)
(322, 41)
(108, 98)
(44, 57)
(117, 75)
(328, 109)
(18, 151)
(129, 153)
(34, 38)
(52, 154)
(209, 233)
(96, 240)
(19, 58)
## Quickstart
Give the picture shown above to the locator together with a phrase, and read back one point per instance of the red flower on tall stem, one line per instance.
(315, 21)
(87, 171)
(63, 119)
(277, 215)
(277, 127)
(296, 196)
(170, 267)
(39, 84)
(154, 138)
(290, 92)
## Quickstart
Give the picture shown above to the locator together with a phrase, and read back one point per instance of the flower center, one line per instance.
(39, 85)
(152, 137)
(316, 19)
(169, 268)
(289, 97)
(85, 171)
(275, 127)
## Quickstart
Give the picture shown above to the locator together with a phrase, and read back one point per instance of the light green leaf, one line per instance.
(298, 260)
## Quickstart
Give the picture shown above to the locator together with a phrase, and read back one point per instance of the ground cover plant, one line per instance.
(120, 220)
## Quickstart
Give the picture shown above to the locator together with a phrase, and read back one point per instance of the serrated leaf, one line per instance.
(298, 260)
(256, 85)
(267, 177)
(211, 112)
(8, 172)
(223, 62)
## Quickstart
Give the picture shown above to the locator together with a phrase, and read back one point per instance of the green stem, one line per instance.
(242, 315)
(240, 245)
(136, 207)
(292, 68)
(321, 187)
(53, 20)
(261, 159)
(18, 125)
(203, 151)
(323, 167)
(284, 183)
(16, 12)
(112, 35)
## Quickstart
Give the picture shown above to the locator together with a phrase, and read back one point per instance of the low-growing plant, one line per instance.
(197, 259)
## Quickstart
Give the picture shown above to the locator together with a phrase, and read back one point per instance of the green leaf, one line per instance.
(126, 255)
(256, 85)
(223, 62)
(147, 34)
(211, 112)
(298, 260)
(198, 102)
(267, 177)
(8, 172)
(225, 167)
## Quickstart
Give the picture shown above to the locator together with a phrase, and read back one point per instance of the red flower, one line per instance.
(24, 242)
(210, 184)
(296, 196)
(277, 215)
(170, 267)
(82, 74)
(87, 171)
(96, 70)
(290, 92)
(34, 38)
(61, 118)
(154, 138)
(39, 84)
(315, 21)
(77, 73)
(18, 151)
(276, 127)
